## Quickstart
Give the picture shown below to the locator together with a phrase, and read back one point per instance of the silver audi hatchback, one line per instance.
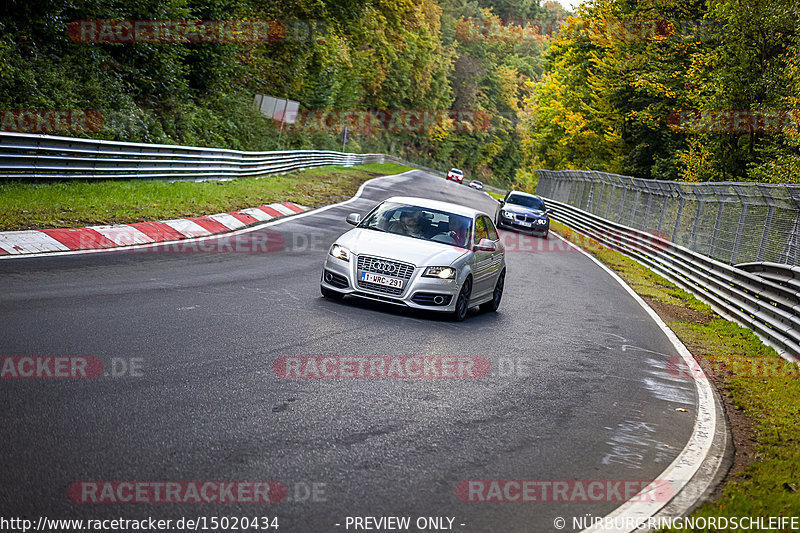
(419, 253)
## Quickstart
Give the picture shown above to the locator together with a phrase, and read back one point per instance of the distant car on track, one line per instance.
(419, 253)
(525, 212)
(475, 184)
(455, 175)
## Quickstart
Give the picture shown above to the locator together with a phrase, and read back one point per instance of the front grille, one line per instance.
(337, 280)
(376, 265)
(526, 218)
(426, 298)
(385, 267)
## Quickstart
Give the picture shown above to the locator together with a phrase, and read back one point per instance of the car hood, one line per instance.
(399, 247)
(519, 209)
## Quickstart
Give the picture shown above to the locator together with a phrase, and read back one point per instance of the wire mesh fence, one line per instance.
(731, 222)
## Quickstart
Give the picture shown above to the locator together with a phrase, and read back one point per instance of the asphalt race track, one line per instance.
(580, 386)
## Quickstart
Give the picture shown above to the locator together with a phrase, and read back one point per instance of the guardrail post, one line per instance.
(681, 203)
(663, 209)
(714, 235)
(635, 205)
(762, 247)
(647, 208)
(696, 225)
(789, 254)
(739, 230)
(610, 199)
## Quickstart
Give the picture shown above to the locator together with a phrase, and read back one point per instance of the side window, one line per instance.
(490, 229)
(480, 230)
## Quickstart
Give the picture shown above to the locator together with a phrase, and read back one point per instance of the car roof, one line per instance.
(436, 204)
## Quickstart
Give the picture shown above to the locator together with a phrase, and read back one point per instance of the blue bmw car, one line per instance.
(524, 212)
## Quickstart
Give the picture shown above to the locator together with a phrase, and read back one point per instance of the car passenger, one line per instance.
(459, 231)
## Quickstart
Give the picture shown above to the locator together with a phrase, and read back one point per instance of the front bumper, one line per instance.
(418, 292)
(512, 224)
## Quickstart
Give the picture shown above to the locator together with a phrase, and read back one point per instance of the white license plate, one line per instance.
(525, 224)
(381, 280)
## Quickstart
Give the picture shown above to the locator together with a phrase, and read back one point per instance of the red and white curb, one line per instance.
(100, 237)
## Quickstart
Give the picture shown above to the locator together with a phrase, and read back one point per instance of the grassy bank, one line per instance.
(78, 203)
(760, 390)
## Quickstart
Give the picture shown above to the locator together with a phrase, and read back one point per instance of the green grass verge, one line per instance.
(761, 392)
(80, 203)
(495, 195)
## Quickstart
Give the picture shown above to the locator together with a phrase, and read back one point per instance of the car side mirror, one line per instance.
(548, 211)
(353, 218)
(502, 202)
(486, 246)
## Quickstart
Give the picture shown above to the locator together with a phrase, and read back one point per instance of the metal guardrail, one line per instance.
(785, 275)
(29, 157)
(760, 302)
(25, 156)
(734, 222)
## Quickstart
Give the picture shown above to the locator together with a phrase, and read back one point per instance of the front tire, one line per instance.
(462, 302)
(492, 305)
(328, 293)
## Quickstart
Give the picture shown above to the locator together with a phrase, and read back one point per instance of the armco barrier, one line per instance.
(769, 303)
(25, 157)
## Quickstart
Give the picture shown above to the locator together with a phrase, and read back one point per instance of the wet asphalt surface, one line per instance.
(579, 388)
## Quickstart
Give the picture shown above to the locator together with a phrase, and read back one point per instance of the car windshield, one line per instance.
(526, 201)
(420, 223)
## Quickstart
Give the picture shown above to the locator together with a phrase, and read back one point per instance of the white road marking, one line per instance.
(688, 462)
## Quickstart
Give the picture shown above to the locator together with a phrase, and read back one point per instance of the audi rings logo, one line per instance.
(385, 267)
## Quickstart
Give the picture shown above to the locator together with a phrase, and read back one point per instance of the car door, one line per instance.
(498, 255)
(482, 266)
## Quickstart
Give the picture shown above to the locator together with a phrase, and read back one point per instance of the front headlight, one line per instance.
(506, 214)
(340, 252)
(440, 272)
